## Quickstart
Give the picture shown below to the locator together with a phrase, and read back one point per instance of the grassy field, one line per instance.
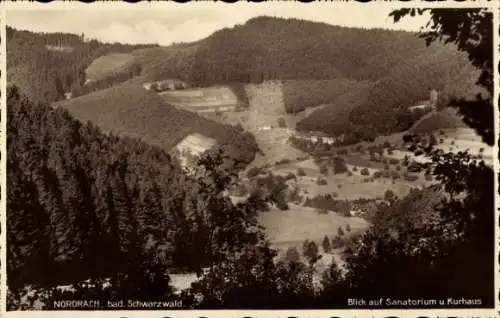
(201, 97)
(291, 227)
(461, 139)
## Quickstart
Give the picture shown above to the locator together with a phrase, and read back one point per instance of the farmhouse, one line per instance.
(424, 106)
(264, 128)
(211, 109)
(316, 137)
(428, 104)
(60, 48)
(355, 212)
(164, 85)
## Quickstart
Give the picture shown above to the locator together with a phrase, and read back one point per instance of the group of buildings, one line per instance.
(430, 104)
(164, 85)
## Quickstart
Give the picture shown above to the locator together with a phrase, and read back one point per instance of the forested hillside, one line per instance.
(78, 197)
(130, 110)
(383, 108)
(46, 65)
(80, 203)
(376, 74)
(270, 48)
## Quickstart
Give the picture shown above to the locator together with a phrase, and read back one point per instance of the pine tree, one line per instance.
(340, 231)
(326, 244)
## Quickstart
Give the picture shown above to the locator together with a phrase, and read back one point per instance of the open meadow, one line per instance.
(290, 228)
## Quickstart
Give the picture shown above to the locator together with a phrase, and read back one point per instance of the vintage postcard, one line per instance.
(171, 159)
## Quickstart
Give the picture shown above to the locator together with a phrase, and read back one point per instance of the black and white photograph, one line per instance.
(278, 156)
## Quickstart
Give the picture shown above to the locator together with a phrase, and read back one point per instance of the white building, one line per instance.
(264, 128)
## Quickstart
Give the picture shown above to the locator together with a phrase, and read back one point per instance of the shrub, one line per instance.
(355, 168)
(389, 195)
(394, 161)
(339, 165)
(481, 150)
(414, 167)
(386, 166)
(410, 177)
(395, 175)
(343, 151)
(348, 227)
(301, 172)
(326, 244)
(321, 182)
(253, 172)
(292, 255)
(337, 242)
(398, 168)
(283, 161)
(349, 173)
(323, 169)
(340, 231)
(290, 176)
(365, 172)
(453, 142)
(282, 122)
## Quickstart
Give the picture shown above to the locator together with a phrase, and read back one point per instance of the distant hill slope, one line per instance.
(445, 119)
(382, 109)
(128, 109)
(131, 110)
(43, 71)
(109, 64)
(367, 77)
(268, 48)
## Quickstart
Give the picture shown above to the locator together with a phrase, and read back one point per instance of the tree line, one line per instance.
(45, 75)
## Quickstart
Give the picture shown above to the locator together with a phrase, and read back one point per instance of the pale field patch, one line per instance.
(290, 228)
(199, 98)
(182, 281)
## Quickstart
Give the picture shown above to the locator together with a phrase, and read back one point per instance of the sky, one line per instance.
(174, 23)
